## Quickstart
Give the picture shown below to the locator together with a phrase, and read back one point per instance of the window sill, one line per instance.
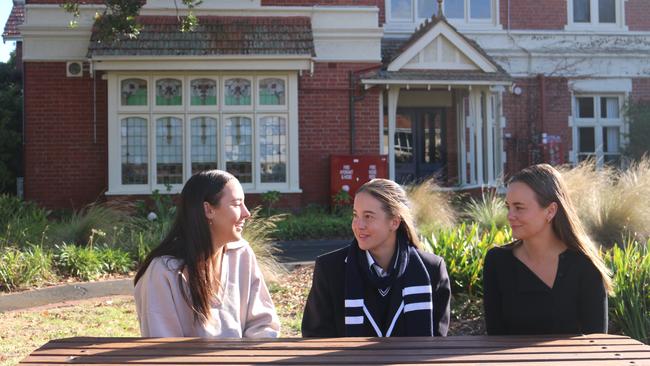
(595, 28)
(177, 190)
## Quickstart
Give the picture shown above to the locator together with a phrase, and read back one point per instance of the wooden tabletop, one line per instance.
(591, 350)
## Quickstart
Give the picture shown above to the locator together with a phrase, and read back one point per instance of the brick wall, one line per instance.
(641, 89)
(524, 120)
(324, 127)
(534, 14)
(637, 15)
(64, 167)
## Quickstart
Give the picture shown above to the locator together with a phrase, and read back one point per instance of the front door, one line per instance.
(420, 146)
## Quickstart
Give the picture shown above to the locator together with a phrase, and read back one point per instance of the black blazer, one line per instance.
(324, 314)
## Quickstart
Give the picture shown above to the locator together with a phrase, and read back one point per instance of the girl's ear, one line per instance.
(209, 210)
(551, 211)
(394, 223)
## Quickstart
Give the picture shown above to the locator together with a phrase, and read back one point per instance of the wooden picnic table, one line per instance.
(592, 350)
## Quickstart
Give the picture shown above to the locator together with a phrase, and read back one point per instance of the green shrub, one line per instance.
(314, 223)
(637, 114)
(487, 212)
(81, 262)
(630, 305)
(26, 267)
(81, 227)
(463, 248)
(115, 260)
(21, 223)
(270, 198)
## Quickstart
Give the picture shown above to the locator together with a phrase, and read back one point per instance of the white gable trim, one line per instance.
(461, 44)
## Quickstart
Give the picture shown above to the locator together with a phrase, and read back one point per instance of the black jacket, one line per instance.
(324, 314)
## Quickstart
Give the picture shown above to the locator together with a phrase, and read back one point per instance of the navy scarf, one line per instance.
(408, 281)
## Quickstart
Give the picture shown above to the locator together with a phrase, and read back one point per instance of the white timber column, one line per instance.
(393, 96)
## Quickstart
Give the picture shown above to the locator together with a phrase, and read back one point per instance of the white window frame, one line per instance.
(597, 123)
(274, 108)
(594, 24)
(220, 112)
(465, 23)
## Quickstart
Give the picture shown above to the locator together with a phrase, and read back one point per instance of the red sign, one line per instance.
(349, 172)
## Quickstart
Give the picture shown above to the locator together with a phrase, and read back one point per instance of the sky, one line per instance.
(5, 47)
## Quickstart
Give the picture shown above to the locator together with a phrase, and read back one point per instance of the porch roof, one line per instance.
(214, 36)
(438, 77)
(16, 18)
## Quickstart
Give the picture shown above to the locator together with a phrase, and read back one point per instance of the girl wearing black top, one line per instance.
(551, 280)
(381, 285)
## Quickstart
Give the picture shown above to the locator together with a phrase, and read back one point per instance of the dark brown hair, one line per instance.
(190, 241)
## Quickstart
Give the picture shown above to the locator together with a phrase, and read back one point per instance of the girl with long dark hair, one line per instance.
(551, 280)
(381, 285)
(203, 280)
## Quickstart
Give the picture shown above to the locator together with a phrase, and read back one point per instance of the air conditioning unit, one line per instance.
(74, 69)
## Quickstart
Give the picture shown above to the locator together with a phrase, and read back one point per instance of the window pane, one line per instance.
(585, 106)
(586, 140)
(273, 150)
(134, 92)
(272, 92)
(607, 11)
(403, 139)
(169, 151)
(455, 9)
(581, 11)
(169, 92)
(204, 144)
(204, 92)
(238, 92)
(239, 148)
(609, 107)
(134, 150)
(426, 8)
(401, 9)
(611, 140)
(480, 9)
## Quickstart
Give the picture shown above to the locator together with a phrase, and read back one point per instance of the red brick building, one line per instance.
(270, 89)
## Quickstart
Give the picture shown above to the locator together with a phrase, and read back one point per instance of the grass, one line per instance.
(23, 332)
(432, 208)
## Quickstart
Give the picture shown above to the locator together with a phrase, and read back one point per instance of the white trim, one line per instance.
(434, 82)
(354, 320)
(246, 63)
(415, 290)
(418, 306)
(601, 85)
(395, 317)
(453, 37)
(353, 303)
(372, 321)
(393, 97)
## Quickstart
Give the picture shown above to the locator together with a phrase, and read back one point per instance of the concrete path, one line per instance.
(291, 253)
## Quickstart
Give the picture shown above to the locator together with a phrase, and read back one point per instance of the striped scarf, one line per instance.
(410, 278)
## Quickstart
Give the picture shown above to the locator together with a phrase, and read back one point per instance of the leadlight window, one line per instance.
(239, 148)
(169, 92)
(204, 144)
(273, 149)
(133, 92)
(272, 91)
(203, 92)
(237, 91)
(134, 149)
(169, 150)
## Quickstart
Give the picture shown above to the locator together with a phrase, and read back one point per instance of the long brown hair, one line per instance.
(190, 241)
(395, 203)
(549, 187)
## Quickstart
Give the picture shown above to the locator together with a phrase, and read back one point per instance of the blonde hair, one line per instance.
(549, 187)
(395, 203)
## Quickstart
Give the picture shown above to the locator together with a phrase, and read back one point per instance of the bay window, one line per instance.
(164, 128)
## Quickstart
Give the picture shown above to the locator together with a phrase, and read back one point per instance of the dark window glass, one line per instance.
(587, 140)
(607, 11)
(581, 11)
(585, 107)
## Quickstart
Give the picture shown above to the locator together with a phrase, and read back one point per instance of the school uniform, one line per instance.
(352, 296)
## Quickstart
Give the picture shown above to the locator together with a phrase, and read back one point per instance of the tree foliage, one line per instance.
(11, 116)
(119, 19)
(638, 116)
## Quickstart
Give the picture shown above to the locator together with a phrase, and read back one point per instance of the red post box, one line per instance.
(349, 172)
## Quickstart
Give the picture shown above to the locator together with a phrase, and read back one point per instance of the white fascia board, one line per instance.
(601, 85)
(243, 63)
(434, 82)
(457, 41)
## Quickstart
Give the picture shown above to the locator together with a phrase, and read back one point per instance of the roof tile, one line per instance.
(16, 18)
